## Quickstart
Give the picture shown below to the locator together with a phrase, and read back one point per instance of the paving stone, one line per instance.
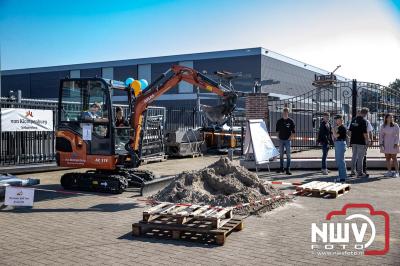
(93, 229)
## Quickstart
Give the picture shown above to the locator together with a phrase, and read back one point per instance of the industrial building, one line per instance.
(282, 77)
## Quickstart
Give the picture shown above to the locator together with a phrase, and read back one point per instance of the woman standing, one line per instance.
(340, 136)
(389, 139)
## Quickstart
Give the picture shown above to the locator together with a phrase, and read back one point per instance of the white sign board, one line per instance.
(258, 141)
(26, 120)
(87, 131)
(19, 196)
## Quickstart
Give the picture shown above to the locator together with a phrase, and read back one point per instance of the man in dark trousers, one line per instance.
(286, 129)
(325, 140)
(359, 142)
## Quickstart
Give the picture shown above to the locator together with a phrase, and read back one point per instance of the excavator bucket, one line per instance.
(215, 113)
(151, 187)
(219, 114)
(146, 181)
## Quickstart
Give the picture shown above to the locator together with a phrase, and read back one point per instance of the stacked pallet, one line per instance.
(199, 223)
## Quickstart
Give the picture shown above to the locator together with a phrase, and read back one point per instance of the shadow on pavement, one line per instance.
(306, 177)
(367, 180)
(128, 236)
(109, 207)
(55, 191)
(295, 175)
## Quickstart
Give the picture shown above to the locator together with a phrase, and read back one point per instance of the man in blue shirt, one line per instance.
(92, 113)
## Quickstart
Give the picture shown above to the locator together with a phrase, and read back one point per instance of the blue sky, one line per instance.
(361, 35)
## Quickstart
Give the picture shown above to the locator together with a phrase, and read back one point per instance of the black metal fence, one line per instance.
(21, 148)
(182, 117)
(343, 98)
(27, 147)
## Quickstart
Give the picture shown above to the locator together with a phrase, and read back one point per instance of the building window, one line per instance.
(107, 73)
(75, 74)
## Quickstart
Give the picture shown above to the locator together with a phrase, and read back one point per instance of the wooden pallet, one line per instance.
(197, 154)
(323, 189)
(187, 155)
(194, 230)
(184, 213)
(154, 159)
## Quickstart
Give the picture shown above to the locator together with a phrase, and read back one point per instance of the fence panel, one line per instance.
(343, 98)
(19, 148)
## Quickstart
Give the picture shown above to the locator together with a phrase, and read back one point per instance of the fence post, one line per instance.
(242, 138)
(354, 98)
(194, 118)
(1, 134)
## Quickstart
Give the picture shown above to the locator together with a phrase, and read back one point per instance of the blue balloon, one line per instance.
(144, 84)
(128, 81)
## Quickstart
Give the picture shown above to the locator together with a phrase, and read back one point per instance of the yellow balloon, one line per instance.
(136, 85)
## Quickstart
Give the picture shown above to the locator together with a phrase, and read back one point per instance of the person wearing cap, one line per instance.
(339, 133)
(93, 114)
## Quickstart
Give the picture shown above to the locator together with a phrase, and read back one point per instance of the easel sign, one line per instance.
(258, 142)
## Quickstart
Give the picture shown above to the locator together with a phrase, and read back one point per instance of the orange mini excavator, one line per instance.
(87, 135)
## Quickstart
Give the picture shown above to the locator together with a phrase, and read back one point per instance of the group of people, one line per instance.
(95, 114)
(336, 135)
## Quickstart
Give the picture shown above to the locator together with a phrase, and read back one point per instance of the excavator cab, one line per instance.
(86, 134)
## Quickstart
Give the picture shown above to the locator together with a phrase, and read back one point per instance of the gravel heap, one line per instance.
(221, 184)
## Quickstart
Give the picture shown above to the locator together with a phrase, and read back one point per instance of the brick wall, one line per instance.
(257, 106)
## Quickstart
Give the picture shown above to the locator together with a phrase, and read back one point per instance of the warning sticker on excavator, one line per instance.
(87, 131)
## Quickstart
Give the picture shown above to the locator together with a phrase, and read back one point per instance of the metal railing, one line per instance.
(21, 148)
(343, 98)
(27, 147)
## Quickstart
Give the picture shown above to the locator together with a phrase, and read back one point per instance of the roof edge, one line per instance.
(287, 59)
(139, 61)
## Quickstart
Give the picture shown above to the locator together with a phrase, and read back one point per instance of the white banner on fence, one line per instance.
(26, 120)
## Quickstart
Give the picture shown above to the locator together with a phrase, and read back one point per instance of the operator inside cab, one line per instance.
(93, 114)
(120, 120)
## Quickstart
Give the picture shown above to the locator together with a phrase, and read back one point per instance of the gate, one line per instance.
(343, 98)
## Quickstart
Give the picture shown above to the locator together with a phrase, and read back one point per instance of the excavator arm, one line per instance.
(167, 81)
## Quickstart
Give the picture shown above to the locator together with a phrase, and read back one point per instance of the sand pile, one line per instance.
(221, 184)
